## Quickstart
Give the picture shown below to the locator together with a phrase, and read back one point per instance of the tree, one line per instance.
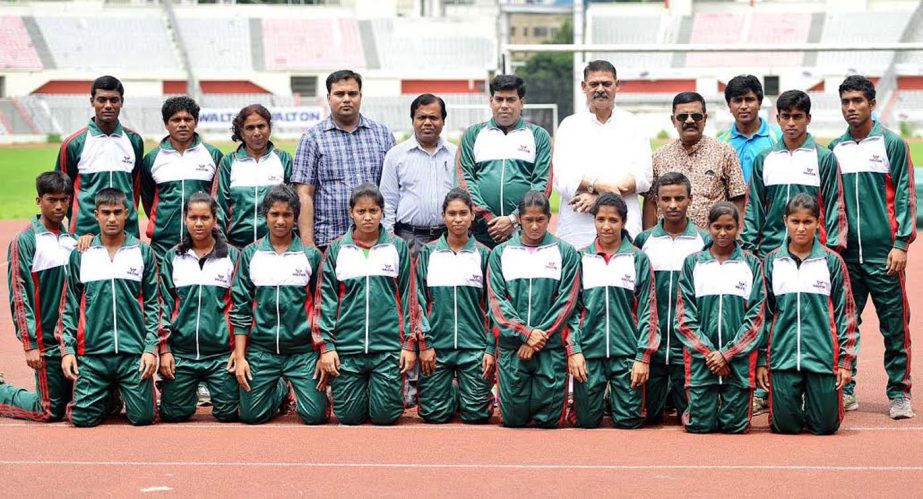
(549, 77)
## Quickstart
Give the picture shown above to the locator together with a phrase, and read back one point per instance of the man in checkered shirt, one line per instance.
(335, 155)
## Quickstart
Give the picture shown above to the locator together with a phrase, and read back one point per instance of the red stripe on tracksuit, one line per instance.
(152, 216)
(19, 296)
(62, 161)
(316, 337)
(653, 330)
(686, 331)
(498, 313)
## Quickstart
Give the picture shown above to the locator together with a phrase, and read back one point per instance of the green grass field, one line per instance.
(22, 163)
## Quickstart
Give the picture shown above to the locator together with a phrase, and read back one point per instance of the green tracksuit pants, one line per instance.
(718, 408)
(627, 404)
(178, 396)
(99, 373)
(49, 400)
(439, 398)
(268, 388)
(667, 382)
(534, 389)
(802, 400)
(369, 388)
(890, 300)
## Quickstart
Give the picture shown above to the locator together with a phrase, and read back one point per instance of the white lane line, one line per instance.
(159, 488)
(472, 466)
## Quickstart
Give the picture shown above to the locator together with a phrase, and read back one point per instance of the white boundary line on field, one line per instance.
(469, 466)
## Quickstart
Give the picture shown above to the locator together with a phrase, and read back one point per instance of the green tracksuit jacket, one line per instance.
(617, 308)
(197, 301)
(168, 178)
(533, 288)
(721, 307)
(94, 161)
(273, 296)
(112, 306)
(37, 269)
(451, 295)
(366, 302)
(778, 175)
(498, 168)
(878, 187)
(811, 322)
(242, 183)
(667, 256)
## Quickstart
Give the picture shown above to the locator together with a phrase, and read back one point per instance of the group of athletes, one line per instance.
(228, 295)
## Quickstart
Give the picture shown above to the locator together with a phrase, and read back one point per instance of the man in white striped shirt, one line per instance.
(417, 175)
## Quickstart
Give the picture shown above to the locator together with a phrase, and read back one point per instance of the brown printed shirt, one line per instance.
(712, 167)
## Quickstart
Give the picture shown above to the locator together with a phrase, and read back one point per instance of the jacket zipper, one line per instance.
(502, 181)
(858, 219)
(669, 316)
(256, 197)
(529, 312)
(182, 206)
(607, 322)
(798, 330)
(720, 320)
(367, 314)
(455, 293)
(198, 316)
(278, 320)
(115, 321)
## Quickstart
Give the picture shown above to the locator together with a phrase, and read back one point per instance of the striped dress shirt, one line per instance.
(415, 183)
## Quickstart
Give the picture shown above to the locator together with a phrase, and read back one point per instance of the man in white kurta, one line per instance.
(597, 151)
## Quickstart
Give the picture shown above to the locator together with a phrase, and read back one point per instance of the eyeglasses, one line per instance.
(685, 116)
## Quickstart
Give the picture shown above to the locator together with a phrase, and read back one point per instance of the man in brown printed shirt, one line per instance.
(712, 166)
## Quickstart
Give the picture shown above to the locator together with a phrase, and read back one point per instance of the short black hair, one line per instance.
(686, 98)
(599, 65)
(740, 85)
(343, 74)
(366, 190)
(673, 178)
(110, 196)
(794, 99)
(459, 194)
(53, 182)
(722, 208)
(237, 126)
(107, 83)
(174, 105)
(425, 100)
(805, 202)
(281, 193)
(508, 82)
(535, 199)
(611, 199)
(860, 83)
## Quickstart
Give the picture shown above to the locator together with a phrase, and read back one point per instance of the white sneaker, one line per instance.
(760, 406)
(901, 408)
(203, 397)
(849, 402)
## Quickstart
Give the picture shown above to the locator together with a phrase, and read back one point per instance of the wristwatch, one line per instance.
(513, 220)
(592, 187)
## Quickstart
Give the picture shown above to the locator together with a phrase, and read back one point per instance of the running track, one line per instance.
(871, 456)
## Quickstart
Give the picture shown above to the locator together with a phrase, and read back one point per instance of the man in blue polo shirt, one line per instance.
(750, 134)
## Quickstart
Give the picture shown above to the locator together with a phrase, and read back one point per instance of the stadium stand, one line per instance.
(297, 44)
(16, 49)
(631, 30)
(221, 45)
(130, 43)
(401, 48)
(865, 28)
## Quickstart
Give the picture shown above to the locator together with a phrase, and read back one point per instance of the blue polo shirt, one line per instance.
(748, 147)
